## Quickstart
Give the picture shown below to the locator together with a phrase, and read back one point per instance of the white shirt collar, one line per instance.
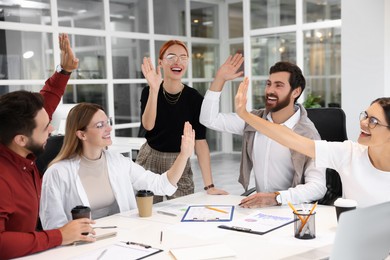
(292, 121)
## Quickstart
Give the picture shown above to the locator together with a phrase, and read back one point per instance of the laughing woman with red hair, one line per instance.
(165, 105)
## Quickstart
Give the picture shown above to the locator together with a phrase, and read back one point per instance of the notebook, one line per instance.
(213, 251)
(363, 233)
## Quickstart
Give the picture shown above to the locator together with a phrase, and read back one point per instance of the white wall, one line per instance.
(365, 57)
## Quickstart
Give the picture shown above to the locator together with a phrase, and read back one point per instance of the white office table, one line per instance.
(277, 244)
(126, 145)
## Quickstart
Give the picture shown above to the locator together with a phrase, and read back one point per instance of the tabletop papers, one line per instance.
(201, 213)
(120, 251)
(212, 251)
(258, 223)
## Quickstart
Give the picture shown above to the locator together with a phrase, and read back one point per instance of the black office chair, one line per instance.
(331, 125)
(52, 148)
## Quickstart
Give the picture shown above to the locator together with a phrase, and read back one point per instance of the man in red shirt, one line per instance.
(24, 128)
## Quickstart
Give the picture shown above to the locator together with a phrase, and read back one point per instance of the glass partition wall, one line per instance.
(111, 37)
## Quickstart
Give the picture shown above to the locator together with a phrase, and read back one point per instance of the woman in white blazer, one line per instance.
(86, 173)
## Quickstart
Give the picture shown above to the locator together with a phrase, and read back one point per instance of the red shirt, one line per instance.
(53, 90)
(20, 191)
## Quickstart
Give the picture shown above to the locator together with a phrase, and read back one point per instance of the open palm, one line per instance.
(228, 70)
(153, 76)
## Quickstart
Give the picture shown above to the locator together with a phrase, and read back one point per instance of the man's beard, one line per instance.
(35, 148)
(280, 103)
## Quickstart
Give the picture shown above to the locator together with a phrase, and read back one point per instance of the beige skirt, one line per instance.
(160, 162)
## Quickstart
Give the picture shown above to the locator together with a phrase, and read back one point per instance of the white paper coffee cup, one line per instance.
(343, 205)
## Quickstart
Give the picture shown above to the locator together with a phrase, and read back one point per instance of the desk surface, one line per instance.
(126, 144)
(277, 244)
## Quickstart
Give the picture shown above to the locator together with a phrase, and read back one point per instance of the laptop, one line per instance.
(363, 234)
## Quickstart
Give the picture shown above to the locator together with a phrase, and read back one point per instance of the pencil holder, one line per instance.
(304, 225)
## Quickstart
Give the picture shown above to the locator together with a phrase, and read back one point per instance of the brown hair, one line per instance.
(78, 118)
(384, 102)
(18, 110)
(168, 44)
(296, 80)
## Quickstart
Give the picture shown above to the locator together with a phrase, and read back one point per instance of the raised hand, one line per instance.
(241, 97)
(68, 61)
(153, 76)
(228, 70)
(71, 232)
(187, 140)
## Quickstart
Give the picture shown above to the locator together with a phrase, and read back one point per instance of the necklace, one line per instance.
(172, 98)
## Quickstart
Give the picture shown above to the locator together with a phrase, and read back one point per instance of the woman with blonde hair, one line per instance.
(165, 104)
(86, 173)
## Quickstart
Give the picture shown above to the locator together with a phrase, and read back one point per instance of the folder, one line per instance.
(202, 213)
(258, 223)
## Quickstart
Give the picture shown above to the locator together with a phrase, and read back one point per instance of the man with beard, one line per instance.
(24, 129)
(281, 175)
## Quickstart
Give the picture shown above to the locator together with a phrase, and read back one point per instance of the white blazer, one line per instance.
(62, 189)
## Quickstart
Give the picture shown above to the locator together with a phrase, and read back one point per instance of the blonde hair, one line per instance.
(78, 118)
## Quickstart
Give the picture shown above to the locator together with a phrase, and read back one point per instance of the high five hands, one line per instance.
(187, 140)
(152, 75)
(228, 70)
(68, 61)
(241, 98)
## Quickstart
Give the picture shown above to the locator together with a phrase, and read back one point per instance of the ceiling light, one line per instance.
(28, 54)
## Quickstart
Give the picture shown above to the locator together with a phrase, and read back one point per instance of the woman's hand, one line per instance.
(153, 76)
(187, 140)
(241, 98)
(216, 191)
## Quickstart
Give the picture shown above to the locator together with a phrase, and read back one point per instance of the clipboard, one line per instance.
(208, 213)
(258, 223)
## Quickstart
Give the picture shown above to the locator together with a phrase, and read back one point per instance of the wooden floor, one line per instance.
(225, 169)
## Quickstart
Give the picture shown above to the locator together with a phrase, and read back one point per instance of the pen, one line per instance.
(161, 236)
(307, 218)
(295, 211)
(166, 213)
(101, 254)
(136, 244)
(205, 219)
(104, 227)
(219, 210)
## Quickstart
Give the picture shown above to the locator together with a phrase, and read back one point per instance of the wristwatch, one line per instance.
(59, 69)
(209, 186)
(278, 198)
